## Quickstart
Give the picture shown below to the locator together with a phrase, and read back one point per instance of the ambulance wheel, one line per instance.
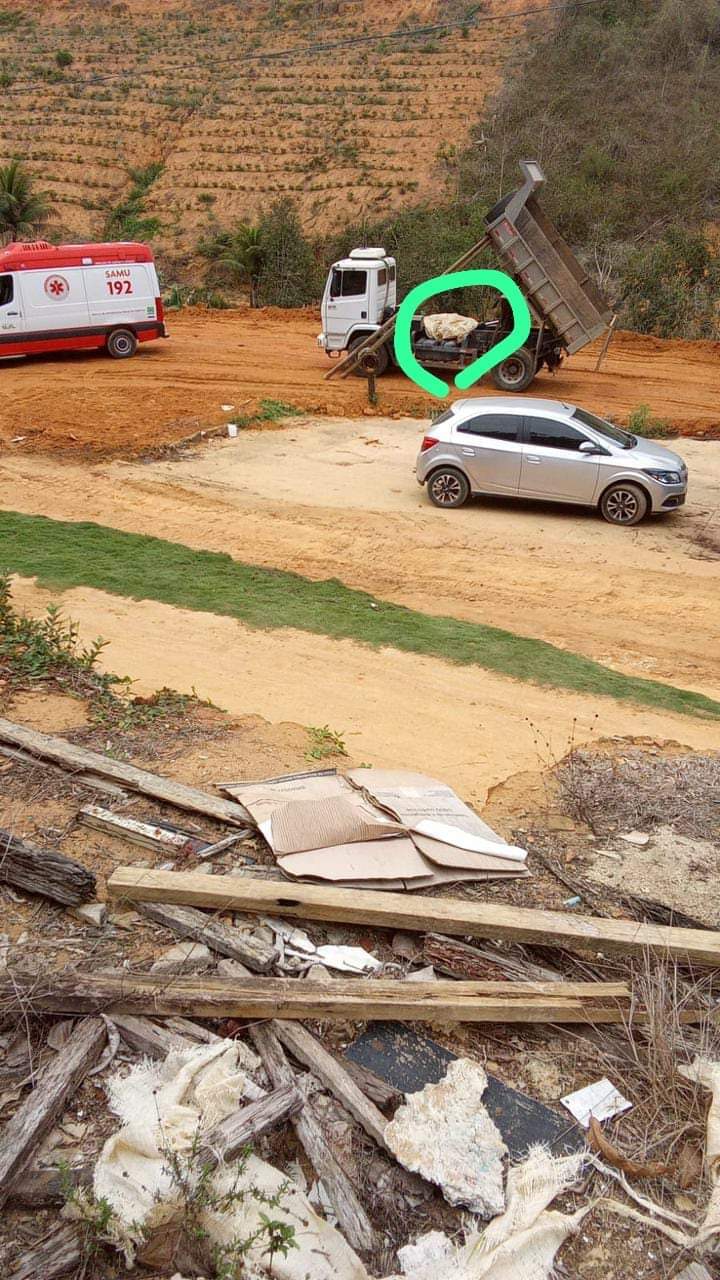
(372, 362)
(121, 343)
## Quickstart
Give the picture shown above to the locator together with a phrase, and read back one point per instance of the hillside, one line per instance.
(359, 116)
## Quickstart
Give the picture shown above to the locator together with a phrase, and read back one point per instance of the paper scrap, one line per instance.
(600, 1100)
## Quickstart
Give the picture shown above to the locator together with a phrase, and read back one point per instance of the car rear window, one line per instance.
(495, 426)
(443, 417)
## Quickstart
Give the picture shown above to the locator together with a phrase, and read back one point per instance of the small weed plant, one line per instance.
(324, 742)
(642, 422)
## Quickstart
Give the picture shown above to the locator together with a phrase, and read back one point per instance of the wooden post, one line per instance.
(606, 343)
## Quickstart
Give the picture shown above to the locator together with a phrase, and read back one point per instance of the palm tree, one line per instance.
(244, 258)
(22, 210)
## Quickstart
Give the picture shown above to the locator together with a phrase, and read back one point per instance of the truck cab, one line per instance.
(360, 292)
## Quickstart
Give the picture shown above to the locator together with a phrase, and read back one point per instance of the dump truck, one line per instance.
(568, 310)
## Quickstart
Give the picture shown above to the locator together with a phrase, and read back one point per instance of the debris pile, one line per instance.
(248, 1074)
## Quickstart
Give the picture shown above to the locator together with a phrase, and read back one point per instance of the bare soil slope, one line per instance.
(93, 405)
(348, 119)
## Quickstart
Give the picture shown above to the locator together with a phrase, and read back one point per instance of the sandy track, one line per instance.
(337, 498)
(395, 710)
(91, 405)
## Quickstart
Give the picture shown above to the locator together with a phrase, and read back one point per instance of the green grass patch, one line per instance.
(65, 555)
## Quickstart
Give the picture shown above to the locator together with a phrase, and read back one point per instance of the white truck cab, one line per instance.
(360, 292)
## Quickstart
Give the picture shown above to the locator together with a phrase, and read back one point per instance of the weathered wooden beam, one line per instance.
(187, 922)
(239, 1130)
(162, 995)
(449, 955)
(350, 1213)
(134, 831)
(416, 913)
(330, 1072)
(45, 872)
(35, 1117)
(38, 1188)
(55, 1255)
(76, 758)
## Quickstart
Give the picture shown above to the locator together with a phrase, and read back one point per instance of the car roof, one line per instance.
(512, 404)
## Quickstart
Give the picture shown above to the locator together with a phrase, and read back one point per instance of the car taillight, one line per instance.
(159, 310)
(428, 443)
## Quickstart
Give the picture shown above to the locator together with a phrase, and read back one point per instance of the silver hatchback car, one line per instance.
(526, 448)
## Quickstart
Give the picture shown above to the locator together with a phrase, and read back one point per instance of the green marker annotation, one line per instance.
(501, 351)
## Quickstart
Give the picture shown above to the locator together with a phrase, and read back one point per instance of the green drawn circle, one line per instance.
(522, 323)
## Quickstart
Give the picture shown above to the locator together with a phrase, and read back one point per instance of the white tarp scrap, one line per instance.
(448, 324)
(445, 1133)
(163, 1108)
(707, 1073)
(600, 1101)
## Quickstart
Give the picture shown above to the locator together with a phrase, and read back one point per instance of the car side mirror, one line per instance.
(587, 446)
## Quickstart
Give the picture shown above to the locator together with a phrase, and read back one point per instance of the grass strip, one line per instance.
(63, 555)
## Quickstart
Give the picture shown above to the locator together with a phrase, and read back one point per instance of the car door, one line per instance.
(552, 464)
(489, 447)
(346, 303)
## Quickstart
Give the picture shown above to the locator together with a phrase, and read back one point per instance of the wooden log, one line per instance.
(37, 1114)
(416, 913)
(308, 1050)
(187, 922)
(45, 872)
(39, 1188)
(57, 1254)
(152, 1039)
(350, 1213)
(163, 995)
(449, 955)
(239, 1130)
(80, 759)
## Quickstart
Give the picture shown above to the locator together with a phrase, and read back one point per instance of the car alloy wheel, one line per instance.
(446, 489)
(622, 506)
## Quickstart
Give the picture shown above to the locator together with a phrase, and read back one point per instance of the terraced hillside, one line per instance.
(349, 106)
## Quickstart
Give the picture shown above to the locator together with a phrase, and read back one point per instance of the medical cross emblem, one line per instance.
(57, 287)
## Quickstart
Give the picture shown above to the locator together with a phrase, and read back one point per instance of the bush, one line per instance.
(672, 288)
(290, 275)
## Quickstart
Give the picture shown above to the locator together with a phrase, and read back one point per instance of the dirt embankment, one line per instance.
(89, 404)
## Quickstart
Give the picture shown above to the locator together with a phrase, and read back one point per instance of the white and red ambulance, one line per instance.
(70, 296)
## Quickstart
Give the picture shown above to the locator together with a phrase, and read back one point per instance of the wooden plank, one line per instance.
(377, 1090)
(160, 995)
(308, 1050)
(136, 832)
(243, 1127)
(45, 872)
(82, 779)
(187, 922)
(350, 1213)
(38, 1113)
(76, 758)
(149, 1038)
(449, 955)
(58, 1253)
(415, 913)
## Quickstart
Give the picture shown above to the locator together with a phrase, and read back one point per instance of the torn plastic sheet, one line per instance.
(164, 1108)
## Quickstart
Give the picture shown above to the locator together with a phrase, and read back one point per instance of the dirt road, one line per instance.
(88, 404)
(337, 498)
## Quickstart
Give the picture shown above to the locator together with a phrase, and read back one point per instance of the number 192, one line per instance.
(119, 286)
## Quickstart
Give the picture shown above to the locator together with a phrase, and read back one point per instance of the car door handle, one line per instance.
(469, 453)
(12, 313)
(531, 457)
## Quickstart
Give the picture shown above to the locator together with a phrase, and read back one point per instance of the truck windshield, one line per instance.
(6, 290)
(603, 428)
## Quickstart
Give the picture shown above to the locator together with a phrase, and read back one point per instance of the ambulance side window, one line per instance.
(6, 290)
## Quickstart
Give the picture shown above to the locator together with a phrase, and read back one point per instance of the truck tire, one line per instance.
(516, 373)
(624, 503)
(375, 362)
(447, 487)
(121, 344)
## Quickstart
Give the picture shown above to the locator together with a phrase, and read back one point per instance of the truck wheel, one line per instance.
(373, 362)
(516, 373)
(448, 487)
(624, 504)
(121, 343)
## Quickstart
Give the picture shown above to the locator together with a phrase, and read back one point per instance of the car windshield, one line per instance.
(608, 429)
